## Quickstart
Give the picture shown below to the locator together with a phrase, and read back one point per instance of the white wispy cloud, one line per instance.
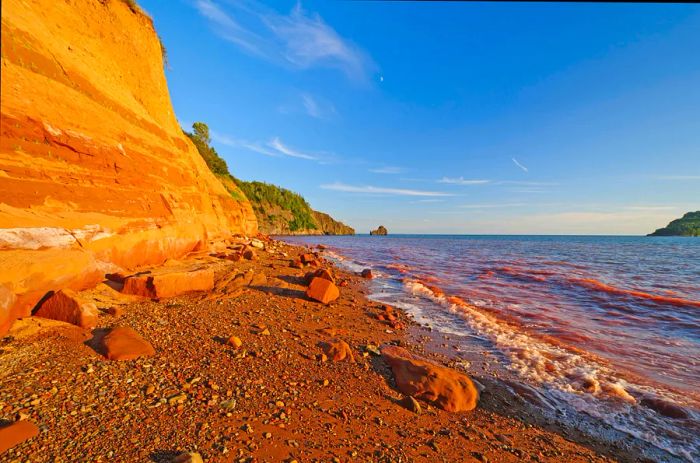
(277, 144)
(525, 183)
(462, 181)
(652, 208)
(489, 206)
(300, 39)
(241, 143)
(228, 29)
(368, 189)
(387, 170)
(317, 108)
(274, 148)
(312, 108)
(515, 161)
(679, 177)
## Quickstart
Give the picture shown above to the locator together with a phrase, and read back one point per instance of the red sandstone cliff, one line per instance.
(95, 172)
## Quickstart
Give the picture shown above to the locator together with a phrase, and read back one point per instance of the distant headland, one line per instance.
(688, 225)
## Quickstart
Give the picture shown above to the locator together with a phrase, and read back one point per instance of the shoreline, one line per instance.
(271, 400)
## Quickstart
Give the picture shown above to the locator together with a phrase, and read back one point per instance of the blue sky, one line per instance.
(450, 117)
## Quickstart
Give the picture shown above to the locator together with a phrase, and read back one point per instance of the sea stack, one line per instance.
(381, 230)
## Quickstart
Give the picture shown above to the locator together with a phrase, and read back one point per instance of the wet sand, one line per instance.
(271, 400)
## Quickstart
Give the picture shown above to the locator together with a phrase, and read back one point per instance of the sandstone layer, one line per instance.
(96, 174)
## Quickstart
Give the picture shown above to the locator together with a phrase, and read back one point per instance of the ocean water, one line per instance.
(599, 326)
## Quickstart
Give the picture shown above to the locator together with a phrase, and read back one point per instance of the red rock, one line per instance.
(66, 306)
(307, 258)
(446, 388)
(249, 254)
(259, 279)
(367, 273)
(320, 273)
(322, 290)
(123, 343)
(343, 283)
(16, 433)
(115, 311)
(337, 350)
(296, 264)
(171, 284)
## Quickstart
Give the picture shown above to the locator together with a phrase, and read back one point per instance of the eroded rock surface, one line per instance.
(446, 388)
(96, 174)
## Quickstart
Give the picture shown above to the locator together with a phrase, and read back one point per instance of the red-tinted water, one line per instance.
(611, 317)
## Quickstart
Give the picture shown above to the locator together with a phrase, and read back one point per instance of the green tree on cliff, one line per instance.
(202, 140)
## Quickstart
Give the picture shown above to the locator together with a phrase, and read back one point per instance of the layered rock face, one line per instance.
(95, 172)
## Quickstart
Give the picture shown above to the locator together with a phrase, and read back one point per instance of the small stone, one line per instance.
(228, 404)
(177, 398)
(409, 403)
(234, 341)
(188, 457)
(267, 435)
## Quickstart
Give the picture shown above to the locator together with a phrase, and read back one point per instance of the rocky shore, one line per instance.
(251, 367)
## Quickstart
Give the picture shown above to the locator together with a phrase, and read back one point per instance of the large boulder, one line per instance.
(16, 433)
(320, 273)
(417, 377)
(322, 290)
(169, 284)
(123, 343)
(66, 306)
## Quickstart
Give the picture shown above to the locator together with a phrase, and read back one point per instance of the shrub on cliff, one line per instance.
(263, 195)
(688, 225)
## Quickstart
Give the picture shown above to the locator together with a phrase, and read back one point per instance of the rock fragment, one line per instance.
(188, 457)
(337, 350)
(322, 290)
(16, 433)
(411, 404)
(123, 343)
(67, 306)
(156, 286)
